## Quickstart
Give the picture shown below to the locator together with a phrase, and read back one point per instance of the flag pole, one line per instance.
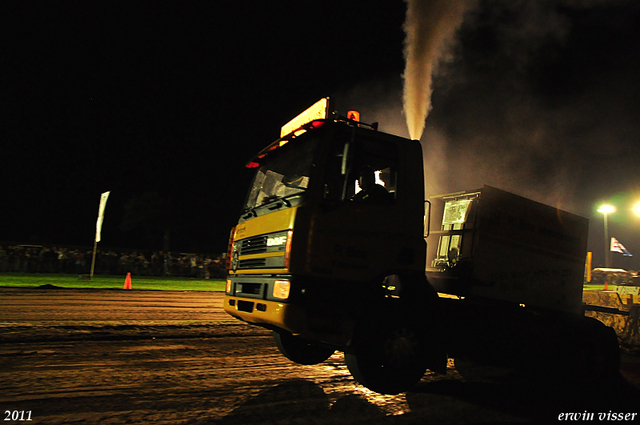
(93, 259)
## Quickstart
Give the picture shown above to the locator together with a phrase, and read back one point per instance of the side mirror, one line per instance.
(427, 218)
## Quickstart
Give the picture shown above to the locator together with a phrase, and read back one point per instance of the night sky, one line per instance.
(164, 102)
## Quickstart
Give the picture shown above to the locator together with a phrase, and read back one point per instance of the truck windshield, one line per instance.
(284, 176)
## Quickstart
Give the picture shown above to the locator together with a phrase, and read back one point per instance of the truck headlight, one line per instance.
(281, 289)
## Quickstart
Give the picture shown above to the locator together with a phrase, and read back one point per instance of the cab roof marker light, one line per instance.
(353, 116)
(309, 126)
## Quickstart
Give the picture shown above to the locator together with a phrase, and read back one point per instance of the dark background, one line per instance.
(163, 102)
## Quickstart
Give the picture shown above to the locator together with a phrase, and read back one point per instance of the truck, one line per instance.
(330, 251)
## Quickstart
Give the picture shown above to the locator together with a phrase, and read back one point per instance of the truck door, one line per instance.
(355, 234)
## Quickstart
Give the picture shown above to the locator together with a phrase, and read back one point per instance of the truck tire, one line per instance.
(300, 350)
(595, 354)
(389, 358)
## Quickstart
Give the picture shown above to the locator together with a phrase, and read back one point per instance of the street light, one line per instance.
(636, 208)
(606, 210)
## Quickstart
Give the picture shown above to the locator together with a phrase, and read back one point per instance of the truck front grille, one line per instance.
(267, 251)
(252, 263)
(254, 245)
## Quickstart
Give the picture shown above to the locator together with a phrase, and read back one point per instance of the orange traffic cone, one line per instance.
(127, 281)
(606, 285)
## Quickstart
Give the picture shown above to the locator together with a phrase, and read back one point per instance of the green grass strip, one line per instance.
(137, 282)
(111, 282)
(592, 287)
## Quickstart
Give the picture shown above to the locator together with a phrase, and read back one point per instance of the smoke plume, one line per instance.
(429, 28)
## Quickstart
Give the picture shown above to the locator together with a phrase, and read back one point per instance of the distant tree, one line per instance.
(152, 213)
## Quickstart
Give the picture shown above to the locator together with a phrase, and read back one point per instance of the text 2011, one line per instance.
(17, 415)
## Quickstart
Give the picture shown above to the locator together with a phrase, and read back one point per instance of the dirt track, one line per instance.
(98, 356)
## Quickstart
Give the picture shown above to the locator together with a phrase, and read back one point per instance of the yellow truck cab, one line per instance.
(330, 242)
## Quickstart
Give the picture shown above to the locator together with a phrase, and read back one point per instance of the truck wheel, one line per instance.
(300, 350)
(389, 359)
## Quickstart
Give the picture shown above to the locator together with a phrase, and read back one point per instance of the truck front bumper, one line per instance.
(251, 298)
(271, 314)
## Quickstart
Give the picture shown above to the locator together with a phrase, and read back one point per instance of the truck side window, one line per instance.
(361, 171)
(372, 172)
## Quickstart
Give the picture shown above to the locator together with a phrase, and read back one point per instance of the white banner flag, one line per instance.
(103, 205)
(616, 246)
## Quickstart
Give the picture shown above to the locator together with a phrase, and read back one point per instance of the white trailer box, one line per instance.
(496, 245)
